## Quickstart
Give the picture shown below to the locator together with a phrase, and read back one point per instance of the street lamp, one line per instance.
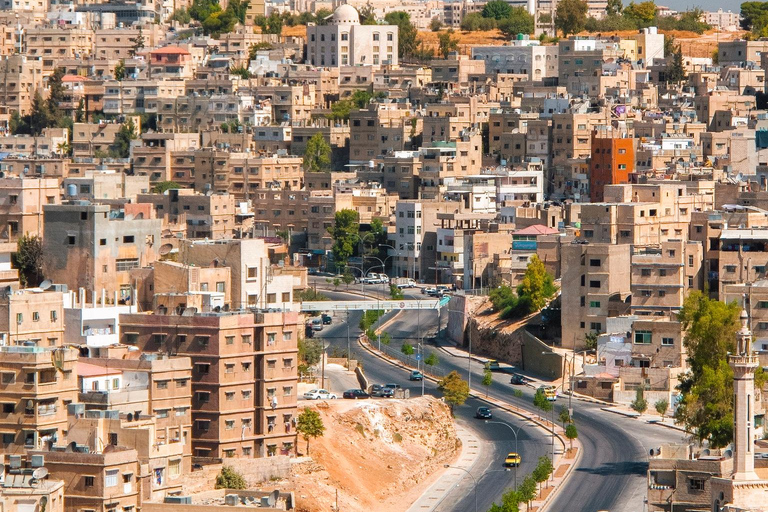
(510, 427)
(470, 475)
(570, 381)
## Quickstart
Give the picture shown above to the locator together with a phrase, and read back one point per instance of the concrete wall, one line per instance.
(534, 361)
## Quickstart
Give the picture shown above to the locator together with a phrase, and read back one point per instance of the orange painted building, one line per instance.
(613, 159)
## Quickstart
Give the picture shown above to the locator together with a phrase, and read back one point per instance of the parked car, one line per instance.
(319, 394)
(374, 389)
(483, 413)
(355, 394)
(416, 375)
(517, 379)
(513, 460)
(386, 393)
(550, 392)
(317, 324)
(430, 290)
(404, 282)
(327, 319)
(442, 290)
(392, 386)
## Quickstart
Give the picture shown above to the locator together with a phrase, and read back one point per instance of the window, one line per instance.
(287, 335)
(128, 239)
(594, 263)
(162, 384)
(271, 363)
(246, 366)
(35, 316)
(696, 484)
(667, 342)
(252, 272)
(8, 378)
(596, 326)
(246, 339)
(271, 338)
(123, 264)
(662, 272)
(174, 468)
(230, 340)
(594, 284)
(645, 272)
(71, 240)
(229, 368)
(594, 304)
(643, 337)
(110, 480)
(287, 390)
(246, 394)
(54, 316)
(181, 383)
(203, 396)
(162, 413)
(229, 424)
(89, 481)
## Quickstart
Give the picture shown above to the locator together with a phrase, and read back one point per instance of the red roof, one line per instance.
(536, 230)
(72, 78)
(92, 370)
(170, 50)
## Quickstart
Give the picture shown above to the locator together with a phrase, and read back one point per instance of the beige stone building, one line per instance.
(20, 77)
(53, 43)
(196, 215)
(21, 205)
(381, 129)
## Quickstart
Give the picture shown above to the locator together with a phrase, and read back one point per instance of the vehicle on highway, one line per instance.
(373, 389)
(550, 392)
(317, 324)
(483, 413)
(442, 290)
(355, 394)
(416, 375)
(327, 319)
(403, 282)
(429, 290)
(383, 278)
(370, 279)
(517, 379)
(392, 386)
(319, 394)
(386, 393)
(492, 365)
(513, 460)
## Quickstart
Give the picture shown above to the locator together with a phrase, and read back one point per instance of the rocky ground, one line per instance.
(377, 454)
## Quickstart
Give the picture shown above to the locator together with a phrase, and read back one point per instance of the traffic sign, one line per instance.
(418, 357)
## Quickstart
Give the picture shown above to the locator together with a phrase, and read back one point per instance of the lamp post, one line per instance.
(470, 475)
(570, 381)
(510, 427)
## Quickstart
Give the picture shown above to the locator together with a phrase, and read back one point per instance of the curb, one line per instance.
(502, 405)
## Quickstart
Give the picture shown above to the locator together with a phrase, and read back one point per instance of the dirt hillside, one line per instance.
(376, 453)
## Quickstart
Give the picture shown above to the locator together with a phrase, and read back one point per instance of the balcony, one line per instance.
(115, 397)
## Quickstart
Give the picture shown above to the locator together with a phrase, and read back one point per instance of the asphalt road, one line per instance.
(611, 474)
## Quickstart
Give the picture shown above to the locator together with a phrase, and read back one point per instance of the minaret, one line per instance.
(744, 364)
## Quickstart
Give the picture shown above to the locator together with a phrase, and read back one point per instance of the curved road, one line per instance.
(611, 474)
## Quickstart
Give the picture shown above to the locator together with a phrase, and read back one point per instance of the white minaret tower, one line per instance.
(532, 7)
(744, 364)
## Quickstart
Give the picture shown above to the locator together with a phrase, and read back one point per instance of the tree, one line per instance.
(138, 43)
(406, 32)
(675, 72)
(644, 12)
(590, 340)
(120, 70)
(497, 9)
(310, 425)
(431, 359)
(347, 278)
(344, 234)
(661, 407)
(322, 15)
(614, 7)
(527, 489)
(239, 8)
(447, 43)
(706, 404)
(272, 24)
(455, 389)
(571, 16)
(28, 259)
(310, 351)
(510, 502)
(200, 10)
(519, 21)
(181, 16)
(121, 148)
(487, 380)
(39, 116)
(537, 286)
(240, 71)
(56, 97)
(542, 470)
(571, 433)
(540, 401)
(395, 293)
(407, 349)
(367, 15)
(228, 478)
(317, 155)
(639, 404)
(435, 24)
(564, 417)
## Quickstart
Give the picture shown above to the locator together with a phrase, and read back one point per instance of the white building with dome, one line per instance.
(343, 41)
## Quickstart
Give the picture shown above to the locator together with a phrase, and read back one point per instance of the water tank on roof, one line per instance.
(71, 190)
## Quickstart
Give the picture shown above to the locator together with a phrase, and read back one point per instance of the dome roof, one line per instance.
(345, 15)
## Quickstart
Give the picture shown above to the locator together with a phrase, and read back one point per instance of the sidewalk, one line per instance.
(451, 477)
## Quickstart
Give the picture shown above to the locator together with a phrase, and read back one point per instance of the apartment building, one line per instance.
(89, 140)
(52, 43)
(20, 77)
(21, 204)
(166, 157)
(743, 256)
(94, 247)
(20, 491)
(243, 380)
(240, 174)
(612, 161)
(585, 65)
(171, 62)
(537, 63)
(452, 234)
(740, 52)
(32, 317)
(48, 144)
(595, 286)
(196, 215)
(140, 96)
(381, 129)
(37, 385)
(663, 275)
(102, 184)
(172, 280)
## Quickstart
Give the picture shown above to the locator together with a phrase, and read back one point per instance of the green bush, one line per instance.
(228, 478)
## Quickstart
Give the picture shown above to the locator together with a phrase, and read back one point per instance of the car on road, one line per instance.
(430, 290)
(517, 379)
(327, 319)
(355, 394)
(386, 393)
(416, 375)
(317, 324)
(550, 392)
(513, 460)
(442, 290)
(373, 389)
(483, 413)
(319, 394)
(492, 365)
(405, 282)
(392, 386)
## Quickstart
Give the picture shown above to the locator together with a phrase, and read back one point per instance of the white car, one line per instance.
(319, 394)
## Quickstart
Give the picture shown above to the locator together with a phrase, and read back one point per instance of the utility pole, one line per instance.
(348, 346)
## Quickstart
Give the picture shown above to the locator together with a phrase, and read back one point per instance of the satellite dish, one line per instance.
(45, 284)
(728, 454)
(165, 249)
(40, 473)
(272, 498)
